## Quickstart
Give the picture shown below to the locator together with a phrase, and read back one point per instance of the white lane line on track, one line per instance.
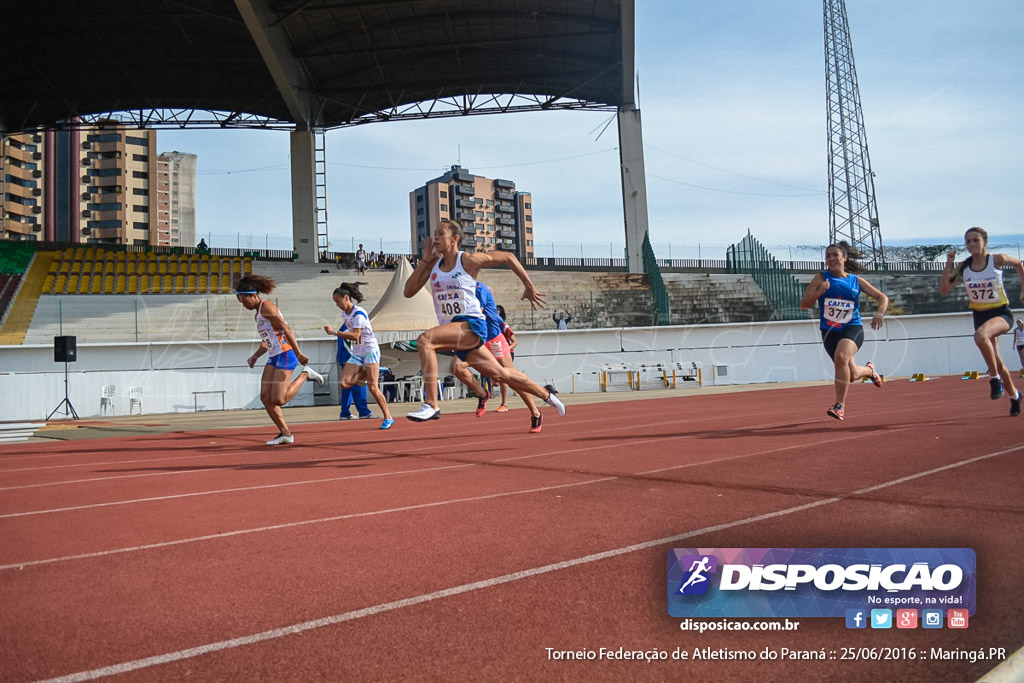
(405, 452)
(305, 522)
(242, 641)
(151, 499)
(240, 489)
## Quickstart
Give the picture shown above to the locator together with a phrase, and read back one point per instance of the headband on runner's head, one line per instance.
(247, 292)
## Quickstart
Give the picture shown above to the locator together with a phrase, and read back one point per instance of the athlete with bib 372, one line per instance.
(451, 276)
(983, 278)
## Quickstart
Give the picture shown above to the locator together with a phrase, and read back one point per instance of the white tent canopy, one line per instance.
(396, 318)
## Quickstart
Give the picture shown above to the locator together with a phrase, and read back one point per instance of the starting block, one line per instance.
(969, 374)
(921, 377)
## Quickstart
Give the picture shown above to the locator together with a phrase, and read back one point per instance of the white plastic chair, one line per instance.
(107, 395)
(134, 399)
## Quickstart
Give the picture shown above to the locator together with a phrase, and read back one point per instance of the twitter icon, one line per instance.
(881, 618)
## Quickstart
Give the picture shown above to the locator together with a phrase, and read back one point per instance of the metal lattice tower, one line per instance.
(853, 214)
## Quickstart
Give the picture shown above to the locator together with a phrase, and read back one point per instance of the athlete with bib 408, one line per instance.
(837, 294)
(983, 278)
(451, 276)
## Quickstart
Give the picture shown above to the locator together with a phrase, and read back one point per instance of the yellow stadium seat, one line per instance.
(97, 284)
(162, 268)
(203, 284)
(48, 283)
(143, 285)
(155, 283)
(73, 284)
(76, 267)
(172, 267)
(132, 267)
(79, 253)
(168, 285)
(179, 284)
(54, 266)
(108, 268)
(247, 267)
(225, 283)
(83, 284)
(120, 268)
(65, 267)
(193, 267)
(108, 284)
(121, 286)
(151, 267)
(190, 283)
(61, 284)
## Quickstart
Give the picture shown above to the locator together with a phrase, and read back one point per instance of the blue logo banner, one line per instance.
(818, 582)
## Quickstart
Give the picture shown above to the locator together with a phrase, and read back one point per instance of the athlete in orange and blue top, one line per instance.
(276, 387)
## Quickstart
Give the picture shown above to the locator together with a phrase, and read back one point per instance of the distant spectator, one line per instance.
(202, 245)
(562, 320)
(389, 263)
(361, 260)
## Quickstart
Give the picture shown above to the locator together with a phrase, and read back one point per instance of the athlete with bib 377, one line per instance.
(837, 293)
(451, 276)
(983, 278)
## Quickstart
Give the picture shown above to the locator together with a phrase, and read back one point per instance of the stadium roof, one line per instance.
(307, 63)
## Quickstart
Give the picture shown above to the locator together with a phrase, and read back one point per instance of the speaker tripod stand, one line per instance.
(66, 403)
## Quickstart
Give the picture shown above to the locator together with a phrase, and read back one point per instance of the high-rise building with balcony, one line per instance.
(92, 184)
(496, 216)
(175, 199)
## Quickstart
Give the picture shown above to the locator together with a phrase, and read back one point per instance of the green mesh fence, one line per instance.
(783, 292)
(662, 311)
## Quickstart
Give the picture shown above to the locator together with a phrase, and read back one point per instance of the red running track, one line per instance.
(463, 549)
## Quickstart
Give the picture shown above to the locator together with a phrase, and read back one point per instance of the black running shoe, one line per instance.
(1015, 406)
(535, 423)
(997, 388)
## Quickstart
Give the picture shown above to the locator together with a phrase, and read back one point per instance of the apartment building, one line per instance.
(495, 214)
(175, 200)
(94, 184)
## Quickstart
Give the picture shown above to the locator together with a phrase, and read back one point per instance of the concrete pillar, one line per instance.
(634, 185)
(303, 196)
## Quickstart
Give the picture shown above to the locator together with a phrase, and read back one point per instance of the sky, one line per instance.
(732, 98)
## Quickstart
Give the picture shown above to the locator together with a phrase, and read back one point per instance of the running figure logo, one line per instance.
(696, 581)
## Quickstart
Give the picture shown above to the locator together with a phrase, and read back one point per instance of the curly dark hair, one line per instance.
(251, 282)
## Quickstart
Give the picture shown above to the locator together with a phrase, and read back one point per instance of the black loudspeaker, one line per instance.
(65, 349)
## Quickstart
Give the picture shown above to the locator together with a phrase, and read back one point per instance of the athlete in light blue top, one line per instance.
(364, 364)
(837, 294)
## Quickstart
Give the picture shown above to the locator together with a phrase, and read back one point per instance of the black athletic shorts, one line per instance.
(831, 338)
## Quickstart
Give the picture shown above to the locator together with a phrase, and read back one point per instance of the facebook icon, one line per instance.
(856, 618)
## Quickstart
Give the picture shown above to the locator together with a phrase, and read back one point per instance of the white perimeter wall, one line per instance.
(32, 384)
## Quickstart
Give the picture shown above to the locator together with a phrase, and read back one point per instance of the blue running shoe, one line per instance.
(386, 424)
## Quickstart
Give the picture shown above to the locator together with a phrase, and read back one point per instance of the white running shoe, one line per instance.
(425, 412)
(280, 439)
(552, 400)
(313, 374)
